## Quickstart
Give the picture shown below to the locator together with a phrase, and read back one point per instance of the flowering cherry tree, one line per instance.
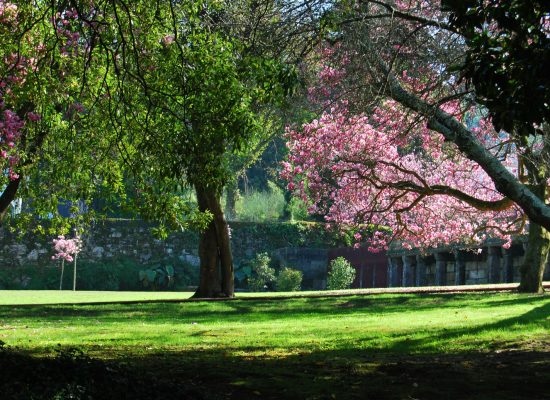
(361, 169)
(395, 71)
(67, 250)
(387, 168)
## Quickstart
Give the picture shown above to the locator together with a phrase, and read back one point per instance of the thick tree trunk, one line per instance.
(536, 256)
(216, 260)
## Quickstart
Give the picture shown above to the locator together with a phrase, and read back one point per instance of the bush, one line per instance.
(90, 276)
(158, 277)
(117, 274)
(261, 206)
(289, 280)
(263, 275)
(341, 274)
(297, 209)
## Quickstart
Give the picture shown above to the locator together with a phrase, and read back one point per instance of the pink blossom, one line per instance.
(66, 248)
(33, 116)
(353, 168)
(168, 39)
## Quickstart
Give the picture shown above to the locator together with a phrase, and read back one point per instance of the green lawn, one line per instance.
(10, 297)
(343, 347)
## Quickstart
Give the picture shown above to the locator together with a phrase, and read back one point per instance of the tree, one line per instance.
(185, 97)
(165, 95)
(409, 82)
(54, 149)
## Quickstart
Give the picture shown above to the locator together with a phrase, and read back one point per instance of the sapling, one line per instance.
(67, 250)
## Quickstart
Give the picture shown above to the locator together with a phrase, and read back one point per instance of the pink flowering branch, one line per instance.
(389, 169)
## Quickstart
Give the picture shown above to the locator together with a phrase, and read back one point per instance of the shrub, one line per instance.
(264, 275)
(93, 276)
(118, 274)
(289, 280)
(159, 277)
(297, 209)
(341, 274)
(261, 206)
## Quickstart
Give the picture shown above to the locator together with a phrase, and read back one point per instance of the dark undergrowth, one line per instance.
(73, 375)
(504, 375)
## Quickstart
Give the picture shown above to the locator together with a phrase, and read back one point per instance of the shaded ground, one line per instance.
(506, 374)
(388, 346)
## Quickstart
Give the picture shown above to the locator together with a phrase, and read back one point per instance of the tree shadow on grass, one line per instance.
(335, 374)
(258, 310)
(537, 316)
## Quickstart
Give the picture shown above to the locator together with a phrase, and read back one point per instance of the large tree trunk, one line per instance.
(536, 256)
(216, 260)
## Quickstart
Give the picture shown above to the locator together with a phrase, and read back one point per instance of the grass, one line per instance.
(16, 297)
(343, 347)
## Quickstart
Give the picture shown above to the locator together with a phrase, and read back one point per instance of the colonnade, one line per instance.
(411, 269)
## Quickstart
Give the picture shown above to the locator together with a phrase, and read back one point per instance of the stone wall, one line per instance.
(296, 245)
(312, 262)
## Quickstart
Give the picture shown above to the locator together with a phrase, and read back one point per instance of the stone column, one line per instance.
(420, 271)
(460, 267)
(409, 265)
(390, 272)
(394, 277)
(493, 263)
(508, 266)
(440, 269)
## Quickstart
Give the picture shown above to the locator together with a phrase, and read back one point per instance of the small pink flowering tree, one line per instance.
(67, 250)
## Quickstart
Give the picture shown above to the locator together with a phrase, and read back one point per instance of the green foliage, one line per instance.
(186, 276)
(261, 206)
(340, 275)
(297, 209)
(158, 277)
(95, 277)
(120, 274)
(507, 58)
(263, 275)
(289, 280)
(243, 272)
(291, 234)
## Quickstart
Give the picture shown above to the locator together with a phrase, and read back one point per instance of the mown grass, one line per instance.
(281, 342)
(15, 297)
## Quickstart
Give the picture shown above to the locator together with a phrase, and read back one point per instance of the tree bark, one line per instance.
(454, 131)
(216, 260)
(534, 262)
(8, 196)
